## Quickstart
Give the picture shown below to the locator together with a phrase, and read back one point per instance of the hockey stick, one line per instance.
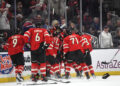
(42, 83)
(111, 59)
(59, 80)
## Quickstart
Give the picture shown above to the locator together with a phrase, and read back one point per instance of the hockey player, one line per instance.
(39, 40)
(50, 57)
(15, 46)
(86, 42)
(53, 67)
(72, 52)
(56, 45)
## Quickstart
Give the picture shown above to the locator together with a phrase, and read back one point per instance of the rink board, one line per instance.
(98, 55)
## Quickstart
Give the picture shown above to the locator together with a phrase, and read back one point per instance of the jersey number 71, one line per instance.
(74, 39)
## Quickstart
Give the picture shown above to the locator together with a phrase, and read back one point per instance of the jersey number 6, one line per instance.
(37, 37)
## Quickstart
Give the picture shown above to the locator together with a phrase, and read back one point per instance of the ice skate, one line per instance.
(19, 78)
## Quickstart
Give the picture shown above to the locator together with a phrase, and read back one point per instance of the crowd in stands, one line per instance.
(28, 12)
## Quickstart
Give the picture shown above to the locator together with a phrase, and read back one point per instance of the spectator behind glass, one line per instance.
(105, 38)
(116, 39)
(117, 25)
(87, 20)
(19, 18)
(96, 25)
(19, 11)
(92, 31)
(4, 22)
(20, 8)
(39, 7)
(46, 26)
(37, 19)
(72, 26)
(109, 23)
(63, 24)
(112, 17)
(109, 17)
(19, 5)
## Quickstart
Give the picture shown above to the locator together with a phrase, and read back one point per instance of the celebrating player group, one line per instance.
(48, 50)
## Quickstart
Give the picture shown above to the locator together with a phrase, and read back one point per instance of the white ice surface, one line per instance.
(110, 81)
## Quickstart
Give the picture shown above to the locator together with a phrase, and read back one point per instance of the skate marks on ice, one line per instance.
(38, 83)
(60, 80)
(98, 81)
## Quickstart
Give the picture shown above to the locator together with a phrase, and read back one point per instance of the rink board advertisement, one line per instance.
(6, 66)
(98, 55)
(7, 70)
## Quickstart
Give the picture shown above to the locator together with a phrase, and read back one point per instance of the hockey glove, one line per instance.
(86, 52)
(28, 45)
(45, 46)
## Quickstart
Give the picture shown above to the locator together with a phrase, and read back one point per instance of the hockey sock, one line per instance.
(80, 67)
(34, 68)
(65, 65)
(20, 68)
(84, 67)
(48, 66)
(43, 69)
(91, 69)
(52, 70)
(68, 67)
(76, 66)
(16, 70)
(56, 68)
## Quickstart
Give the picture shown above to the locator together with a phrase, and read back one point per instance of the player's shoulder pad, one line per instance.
(72, 35)
(31, 29)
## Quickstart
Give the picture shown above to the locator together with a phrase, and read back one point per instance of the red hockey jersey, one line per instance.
(56, 44)
(50, 49)
(36, 36)
(71, 43)
(86, 42)
(15, 44)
